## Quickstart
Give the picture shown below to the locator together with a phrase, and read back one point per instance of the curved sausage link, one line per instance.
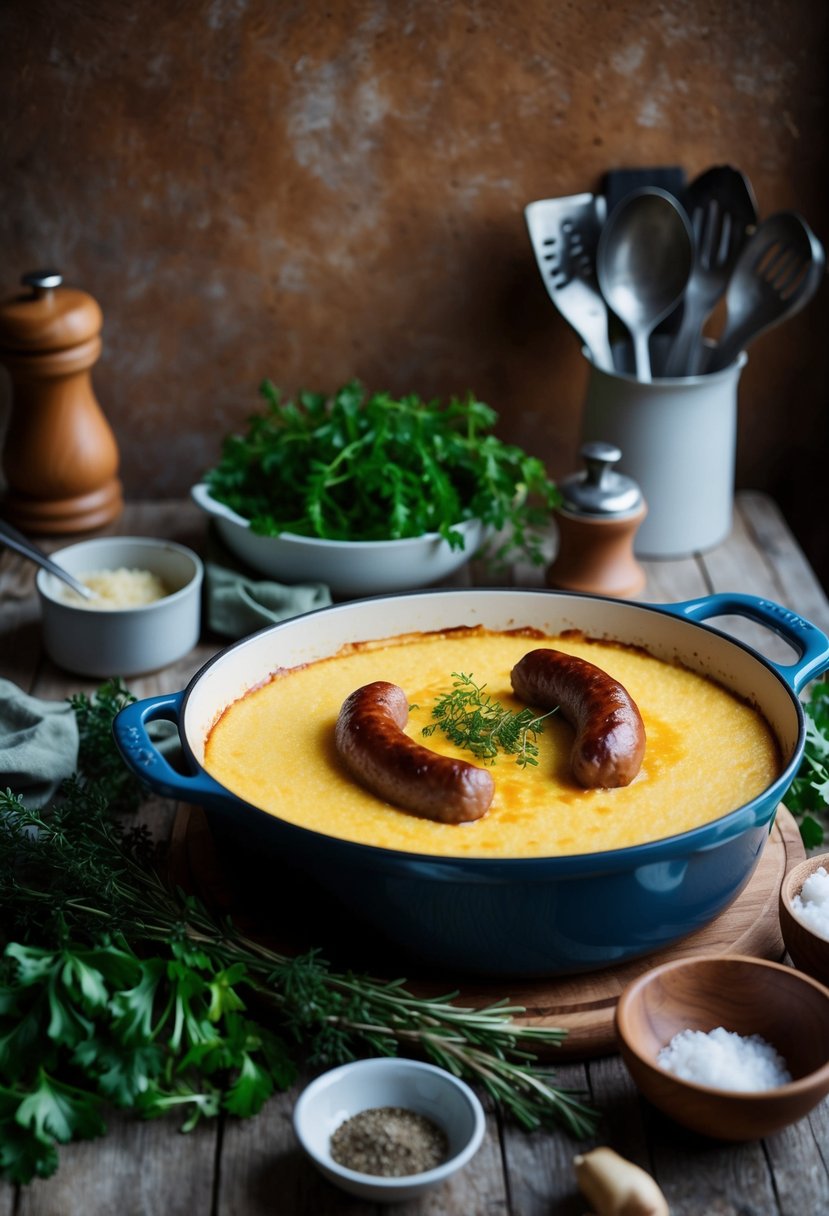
(370, 739)
(610, 734)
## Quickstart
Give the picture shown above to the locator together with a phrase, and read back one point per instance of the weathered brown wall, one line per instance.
(315, 191)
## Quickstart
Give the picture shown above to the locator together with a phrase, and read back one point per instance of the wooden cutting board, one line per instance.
(583, 1005)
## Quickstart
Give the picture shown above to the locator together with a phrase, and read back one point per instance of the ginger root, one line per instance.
(617, 1187)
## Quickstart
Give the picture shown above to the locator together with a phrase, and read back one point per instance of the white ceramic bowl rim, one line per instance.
(46, 582)
(202, 496)
(717, 831)
(404, 1181)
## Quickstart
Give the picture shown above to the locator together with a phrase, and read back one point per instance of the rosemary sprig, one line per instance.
(472, 719)
(144, 990)
(92, 876)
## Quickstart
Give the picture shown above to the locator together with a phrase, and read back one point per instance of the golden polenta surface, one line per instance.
(706, 754)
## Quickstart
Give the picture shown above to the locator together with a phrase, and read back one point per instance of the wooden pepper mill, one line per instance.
(597, 523)
(60, 458)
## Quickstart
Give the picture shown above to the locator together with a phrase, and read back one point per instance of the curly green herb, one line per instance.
(470, 718)
(375, 467)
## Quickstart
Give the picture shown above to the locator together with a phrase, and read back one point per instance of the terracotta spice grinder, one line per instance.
(60, 458)
(600, 513)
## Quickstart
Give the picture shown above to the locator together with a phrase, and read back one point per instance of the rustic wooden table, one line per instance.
(254, 1167)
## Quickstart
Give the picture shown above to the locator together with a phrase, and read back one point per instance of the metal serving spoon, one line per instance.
(21, 544)
(643, 262)
(721, 207)
(777, 273)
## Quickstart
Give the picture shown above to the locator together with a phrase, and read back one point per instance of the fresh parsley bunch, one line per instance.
(808, 797)
(375, 467)
(117, 989)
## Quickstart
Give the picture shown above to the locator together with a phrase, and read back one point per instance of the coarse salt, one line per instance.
(725, 1060)
(811, 904)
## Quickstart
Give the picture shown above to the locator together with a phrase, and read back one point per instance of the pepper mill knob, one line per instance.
(41, 280)
(60, 458)
(597, 521)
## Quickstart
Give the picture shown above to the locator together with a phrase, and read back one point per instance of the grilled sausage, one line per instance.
(370, 739)
(610, 734)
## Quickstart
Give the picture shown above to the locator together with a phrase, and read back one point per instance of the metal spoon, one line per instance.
(777, 273)
(643, 261)
(21, 544)
(721, 207)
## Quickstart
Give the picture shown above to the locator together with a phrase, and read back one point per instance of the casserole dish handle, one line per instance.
(143, 756)
(811, 644)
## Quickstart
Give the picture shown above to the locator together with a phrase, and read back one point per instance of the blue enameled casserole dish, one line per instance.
(533, 916)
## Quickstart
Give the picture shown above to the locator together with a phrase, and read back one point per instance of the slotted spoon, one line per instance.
(564, 233)
(721, 207)
(777, 273)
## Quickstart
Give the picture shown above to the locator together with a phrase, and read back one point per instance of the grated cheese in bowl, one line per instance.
(121, 588)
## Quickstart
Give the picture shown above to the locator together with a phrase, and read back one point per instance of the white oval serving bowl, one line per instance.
(347, 567)
(108, 642)
(388, 1081)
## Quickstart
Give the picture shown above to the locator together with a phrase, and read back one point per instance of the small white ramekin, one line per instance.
(113, 642)
(388, 1081)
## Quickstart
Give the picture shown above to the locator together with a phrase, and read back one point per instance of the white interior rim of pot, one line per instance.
(319, 634)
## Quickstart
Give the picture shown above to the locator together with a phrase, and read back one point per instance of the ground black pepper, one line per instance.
(389, 1140)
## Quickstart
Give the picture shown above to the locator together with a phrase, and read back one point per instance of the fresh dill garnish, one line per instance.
(472, 719)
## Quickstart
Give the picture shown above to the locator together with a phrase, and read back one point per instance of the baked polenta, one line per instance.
(706, 752)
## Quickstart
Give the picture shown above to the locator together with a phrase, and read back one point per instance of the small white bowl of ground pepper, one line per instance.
(388, 1129)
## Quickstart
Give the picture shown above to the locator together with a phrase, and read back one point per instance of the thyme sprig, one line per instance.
(117, 988)
(472, 719)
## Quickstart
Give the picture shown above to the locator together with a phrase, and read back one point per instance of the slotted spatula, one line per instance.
(721, 207)
(777, 273)
(564, 233)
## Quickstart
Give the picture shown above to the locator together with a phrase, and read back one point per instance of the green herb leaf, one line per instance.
(808, 796)
(470, 718)
(117, 989)
(60, 1111)
(25, 1153)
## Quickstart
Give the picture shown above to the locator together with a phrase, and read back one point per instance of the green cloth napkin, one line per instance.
(239, 602)
(38, 744)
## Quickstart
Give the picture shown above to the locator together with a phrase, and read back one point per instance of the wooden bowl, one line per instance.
(744, 995)
(809, 952)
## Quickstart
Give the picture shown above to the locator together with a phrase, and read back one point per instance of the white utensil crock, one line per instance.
(678, 440)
